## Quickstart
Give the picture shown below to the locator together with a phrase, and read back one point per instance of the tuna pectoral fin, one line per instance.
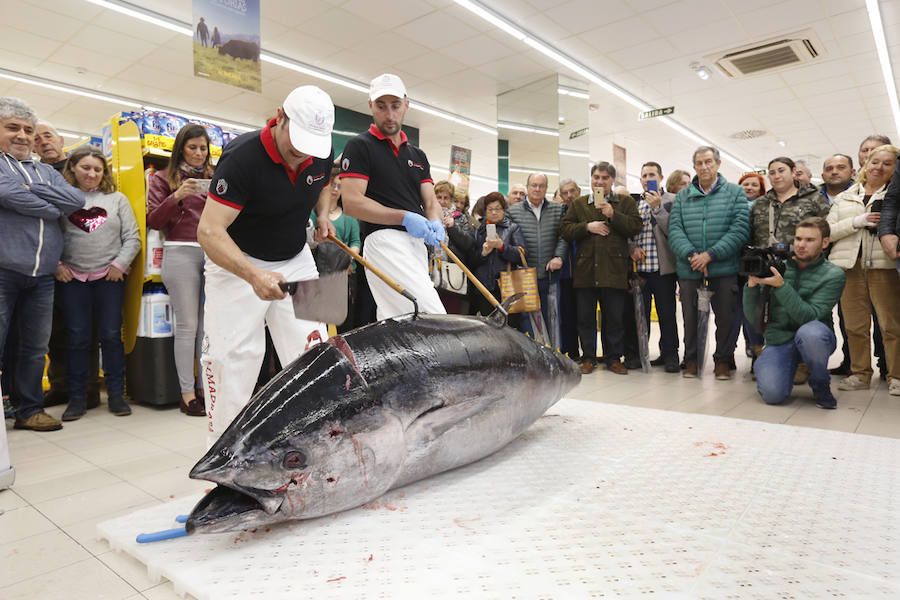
(498, 317)
(436, 422)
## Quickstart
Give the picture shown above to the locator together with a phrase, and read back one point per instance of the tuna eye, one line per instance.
(294, 460)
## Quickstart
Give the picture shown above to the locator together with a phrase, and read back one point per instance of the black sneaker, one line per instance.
(672, 366)
(632, 363)
(842, 369)
(825, 399)
(658, 362)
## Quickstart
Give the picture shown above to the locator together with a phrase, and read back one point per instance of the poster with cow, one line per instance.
(226, 42)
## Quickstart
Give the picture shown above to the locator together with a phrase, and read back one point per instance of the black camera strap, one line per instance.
(772, 240)
(762, 314)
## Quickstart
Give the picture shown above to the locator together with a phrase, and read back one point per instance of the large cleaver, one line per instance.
(323, 299)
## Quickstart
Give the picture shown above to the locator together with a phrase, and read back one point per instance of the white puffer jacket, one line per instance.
(847, 240)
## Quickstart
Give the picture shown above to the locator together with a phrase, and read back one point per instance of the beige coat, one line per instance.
(846, 240)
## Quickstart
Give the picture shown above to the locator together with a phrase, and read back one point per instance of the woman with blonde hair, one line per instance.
(872, 278)
(677, 180)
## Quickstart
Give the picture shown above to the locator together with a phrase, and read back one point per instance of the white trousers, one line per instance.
(405, 259)
(234, 335)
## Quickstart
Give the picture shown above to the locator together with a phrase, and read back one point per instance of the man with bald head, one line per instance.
(48, 144)
(544, 248)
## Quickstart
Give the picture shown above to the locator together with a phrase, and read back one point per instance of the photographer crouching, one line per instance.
(799, 327)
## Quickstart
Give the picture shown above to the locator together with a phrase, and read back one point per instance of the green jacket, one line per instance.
(542, 239)
(717, 222)
(807, 202)
(601, 261)
(807, 295)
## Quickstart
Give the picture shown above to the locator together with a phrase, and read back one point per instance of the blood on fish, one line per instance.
(335, 432)
(336, 579)
(371, 557)
(314, 336)
(357, 448)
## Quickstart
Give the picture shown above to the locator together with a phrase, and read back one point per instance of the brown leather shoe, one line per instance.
(587, 367)
(194, 408)
(690, 369)
(618, 368)
(39, 422)
(722, 370)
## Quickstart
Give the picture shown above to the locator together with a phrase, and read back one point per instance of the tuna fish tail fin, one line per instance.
(498, 317)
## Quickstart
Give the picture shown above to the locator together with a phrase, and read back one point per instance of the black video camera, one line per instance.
(758, 262)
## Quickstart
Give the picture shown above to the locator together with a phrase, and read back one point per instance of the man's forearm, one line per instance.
(370, 211)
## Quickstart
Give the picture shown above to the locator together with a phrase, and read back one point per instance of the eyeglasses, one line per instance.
(493, 209)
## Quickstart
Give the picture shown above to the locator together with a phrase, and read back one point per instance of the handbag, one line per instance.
(447, 276)
(520, 281)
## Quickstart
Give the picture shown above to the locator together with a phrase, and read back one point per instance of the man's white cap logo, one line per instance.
(311, 114)
(386, 85)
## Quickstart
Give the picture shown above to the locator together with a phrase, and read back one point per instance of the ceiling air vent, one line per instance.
(748, 134)
(771, 55)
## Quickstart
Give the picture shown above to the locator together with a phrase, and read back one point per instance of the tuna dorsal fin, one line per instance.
(498, 317)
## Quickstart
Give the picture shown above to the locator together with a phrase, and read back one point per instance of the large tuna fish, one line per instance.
(389, 404)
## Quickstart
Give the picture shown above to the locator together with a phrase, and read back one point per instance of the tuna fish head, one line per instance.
(310, 443)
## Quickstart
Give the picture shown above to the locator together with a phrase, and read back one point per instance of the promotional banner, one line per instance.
(226, 42)
(619, 164)
(460, 165)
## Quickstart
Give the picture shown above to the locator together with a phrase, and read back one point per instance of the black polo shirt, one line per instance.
(395, 175)
(274, 200)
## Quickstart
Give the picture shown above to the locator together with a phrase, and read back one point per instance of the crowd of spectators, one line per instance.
(67, 239)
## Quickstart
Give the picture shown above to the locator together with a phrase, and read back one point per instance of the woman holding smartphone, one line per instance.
(174, 205)
(497, 240)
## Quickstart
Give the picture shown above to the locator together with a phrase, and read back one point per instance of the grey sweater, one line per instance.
(115, 240)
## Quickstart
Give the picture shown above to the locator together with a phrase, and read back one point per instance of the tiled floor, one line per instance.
(104, 466)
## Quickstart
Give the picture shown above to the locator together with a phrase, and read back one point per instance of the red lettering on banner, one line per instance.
(211, 395)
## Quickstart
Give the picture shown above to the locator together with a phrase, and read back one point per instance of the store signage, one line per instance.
(656, 112)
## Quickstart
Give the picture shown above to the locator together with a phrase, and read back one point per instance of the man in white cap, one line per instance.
(386, 184)
(253, 230)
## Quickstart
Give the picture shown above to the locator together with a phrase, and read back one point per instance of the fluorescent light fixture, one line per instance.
(527, 128)
(520, 34)
(884, 58)
(492, 18)
(148, 16)
(69, 89)
(530, 171)
(132, 10)
(782, 143)
(69, 134)
(574, 153)
(567, 91)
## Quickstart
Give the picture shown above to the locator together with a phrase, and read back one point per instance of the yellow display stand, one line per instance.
(127, 165)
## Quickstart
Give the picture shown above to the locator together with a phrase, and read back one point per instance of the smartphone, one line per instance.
(491, 231)
(652, 186)
(204, 184)
(599, 196)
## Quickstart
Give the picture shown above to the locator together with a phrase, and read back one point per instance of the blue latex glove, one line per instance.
(416, 225)
(440, 234)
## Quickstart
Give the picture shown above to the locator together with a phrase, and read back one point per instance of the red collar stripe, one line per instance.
(268, 142)
(378, 135)
(357, 175)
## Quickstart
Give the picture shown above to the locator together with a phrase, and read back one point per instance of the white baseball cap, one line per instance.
(311, 114)
(386, 85)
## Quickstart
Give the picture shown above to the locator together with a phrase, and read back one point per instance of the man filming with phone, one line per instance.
(600, 223)
(799, 327)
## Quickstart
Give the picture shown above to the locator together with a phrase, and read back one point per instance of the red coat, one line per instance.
(178, 220)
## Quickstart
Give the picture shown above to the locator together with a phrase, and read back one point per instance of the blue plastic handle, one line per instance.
(158, 536)
(181, 519)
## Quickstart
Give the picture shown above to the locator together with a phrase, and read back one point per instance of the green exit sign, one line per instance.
(656, 112)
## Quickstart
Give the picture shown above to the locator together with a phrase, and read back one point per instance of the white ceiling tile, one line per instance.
(287, 13)
(342, 28)
(42, 22)
(29, 44)
(429, 66)
(644, 54)
(104, 63)
(477, 51)
(685, 14)
(836, 7)
(438, 29)
(302, 47)
(717, 38)
(859, 43)
(100, 40)
(376, 12)
(621, 34)
(579, 16)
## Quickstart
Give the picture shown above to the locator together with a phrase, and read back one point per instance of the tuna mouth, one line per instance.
(222, 509)
(269, 500)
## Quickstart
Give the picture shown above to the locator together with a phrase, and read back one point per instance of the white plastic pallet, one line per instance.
(593, 501)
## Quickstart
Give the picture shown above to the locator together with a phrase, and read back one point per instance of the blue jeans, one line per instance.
(813, 343)
(32, 300)
(85, 302)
